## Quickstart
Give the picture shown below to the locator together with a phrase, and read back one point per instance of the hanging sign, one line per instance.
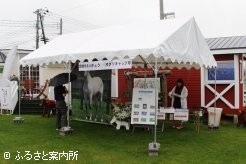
(104, 65)
(147, 83)
(143, 106)
(5, 96)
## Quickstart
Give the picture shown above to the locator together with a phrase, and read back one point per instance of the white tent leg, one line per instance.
(69, 86)
(68, 130)
(156, 99)
(154, 146)
(215, 92)
(19, 120)
(19, 93)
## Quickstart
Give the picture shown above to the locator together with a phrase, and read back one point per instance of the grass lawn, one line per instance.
(103, 144)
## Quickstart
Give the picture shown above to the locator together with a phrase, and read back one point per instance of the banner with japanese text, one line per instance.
(105, 65)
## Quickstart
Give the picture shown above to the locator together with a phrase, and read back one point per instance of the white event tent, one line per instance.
(172, 42)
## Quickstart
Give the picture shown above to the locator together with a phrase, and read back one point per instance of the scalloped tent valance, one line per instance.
(174, 42)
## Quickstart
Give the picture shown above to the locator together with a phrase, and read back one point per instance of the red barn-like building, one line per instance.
(230, 53)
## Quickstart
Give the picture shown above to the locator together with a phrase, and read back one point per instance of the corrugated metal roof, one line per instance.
(233, 42)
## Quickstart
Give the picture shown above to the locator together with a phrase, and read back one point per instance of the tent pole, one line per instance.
(156, 98)
(18, 120)
(215, 88)
(69, 92)
(145, 74)
(145, 69)
(19, 89)
(215, 85)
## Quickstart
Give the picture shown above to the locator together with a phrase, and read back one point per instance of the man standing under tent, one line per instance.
(60, 92)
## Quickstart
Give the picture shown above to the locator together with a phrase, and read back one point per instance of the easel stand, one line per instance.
(142, 126)
(197, 116)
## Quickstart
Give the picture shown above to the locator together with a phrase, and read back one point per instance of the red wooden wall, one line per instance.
(193, 83)
(191, 79)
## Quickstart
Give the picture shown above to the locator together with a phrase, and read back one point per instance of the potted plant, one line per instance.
(121, 114)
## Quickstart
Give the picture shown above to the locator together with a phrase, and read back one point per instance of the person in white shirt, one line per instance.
(179, 95)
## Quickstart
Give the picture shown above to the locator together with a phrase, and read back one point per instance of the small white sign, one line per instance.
(181, 114)
(105, 65)
(5, 96)
(161, 114)
(147, 83)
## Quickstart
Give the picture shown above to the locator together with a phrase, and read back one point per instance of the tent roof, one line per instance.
(171, 41)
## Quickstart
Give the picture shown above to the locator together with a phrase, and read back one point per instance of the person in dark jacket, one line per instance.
(60, 92)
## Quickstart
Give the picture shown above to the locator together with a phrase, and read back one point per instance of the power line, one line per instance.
(11, 20)
(75, 21)
(9, 25)
(14, 22)
(17, 42)
(23, 32)
(78, 6)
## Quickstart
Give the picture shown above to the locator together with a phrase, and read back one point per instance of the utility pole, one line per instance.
(161, 10)
(37, 29)
(42, 27)
(61, 26)
(40, 15)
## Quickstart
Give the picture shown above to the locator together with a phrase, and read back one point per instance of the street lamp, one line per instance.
(170, 15)
(164, 15)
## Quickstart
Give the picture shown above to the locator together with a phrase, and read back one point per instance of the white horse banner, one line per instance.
(91, 95)
(105, 65)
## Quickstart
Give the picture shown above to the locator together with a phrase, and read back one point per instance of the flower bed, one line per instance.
(121, 111)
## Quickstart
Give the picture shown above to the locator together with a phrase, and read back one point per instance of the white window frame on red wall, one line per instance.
(205, 83)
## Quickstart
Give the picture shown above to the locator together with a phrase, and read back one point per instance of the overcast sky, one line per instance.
(214, 17)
